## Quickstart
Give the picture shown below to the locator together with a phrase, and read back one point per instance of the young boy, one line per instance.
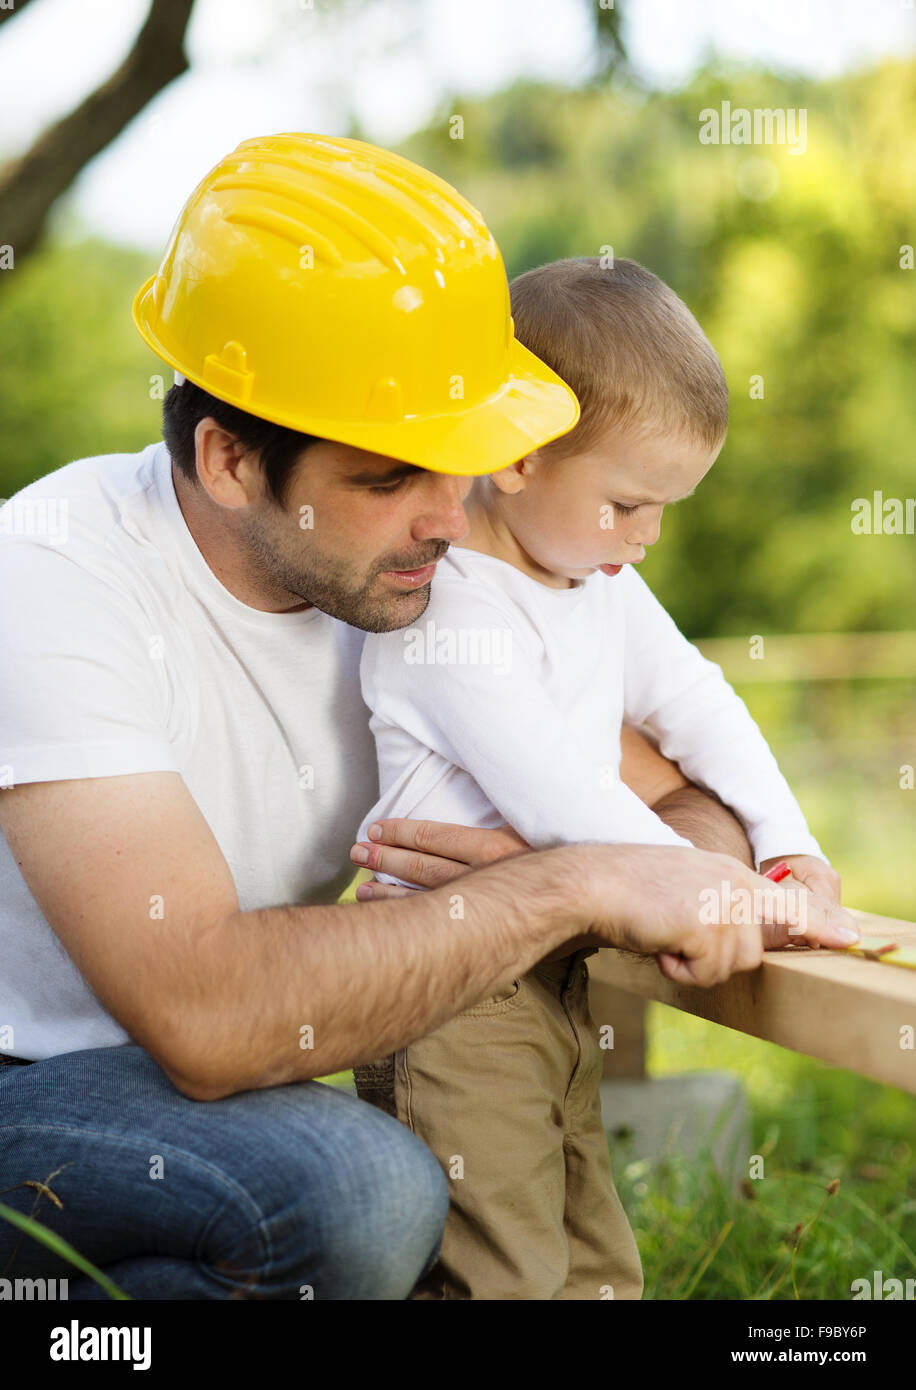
(504, 704)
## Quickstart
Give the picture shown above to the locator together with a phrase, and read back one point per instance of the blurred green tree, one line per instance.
(792, 263)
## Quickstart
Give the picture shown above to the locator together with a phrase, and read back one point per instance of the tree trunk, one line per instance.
(29, 185)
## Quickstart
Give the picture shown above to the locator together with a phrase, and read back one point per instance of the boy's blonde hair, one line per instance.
(630, 349)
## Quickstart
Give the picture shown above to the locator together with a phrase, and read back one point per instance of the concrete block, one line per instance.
(684, 1113)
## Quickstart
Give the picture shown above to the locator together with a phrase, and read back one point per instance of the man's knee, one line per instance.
(346, 1203)
(382, 1223)
(262, 1193)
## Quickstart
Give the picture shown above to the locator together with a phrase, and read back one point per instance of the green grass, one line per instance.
(787, 1236)
(38, 1231)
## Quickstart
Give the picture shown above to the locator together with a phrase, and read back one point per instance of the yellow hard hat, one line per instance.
(340, 290)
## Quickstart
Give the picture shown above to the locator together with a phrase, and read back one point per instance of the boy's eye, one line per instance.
(624, 511)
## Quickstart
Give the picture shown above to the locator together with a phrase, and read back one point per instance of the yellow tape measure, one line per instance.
(886, 952)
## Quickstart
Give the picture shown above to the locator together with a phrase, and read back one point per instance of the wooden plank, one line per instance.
(853, 1012)
(814, 656)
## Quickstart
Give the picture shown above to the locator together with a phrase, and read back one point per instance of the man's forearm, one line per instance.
(702, 819)
(299, 992)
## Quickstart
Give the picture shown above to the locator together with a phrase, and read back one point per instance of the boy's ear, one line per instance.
(516, 477)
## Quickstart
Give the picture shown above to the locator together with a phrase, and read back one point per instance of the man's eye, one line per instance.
(624, 511)
(388, 487)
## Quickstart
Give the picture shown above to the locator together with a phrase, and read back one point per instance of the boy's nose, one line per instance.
(646, 531)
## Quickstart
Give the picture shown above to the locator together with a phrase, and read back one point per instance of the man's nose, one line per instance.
(443, 515)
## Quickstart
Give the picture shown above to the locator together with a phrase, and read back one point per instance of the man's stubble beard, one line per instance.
(322, 582)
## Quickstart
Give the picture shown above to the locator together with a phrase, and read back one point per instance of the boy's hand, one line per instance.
(814, 874)
(815, 878)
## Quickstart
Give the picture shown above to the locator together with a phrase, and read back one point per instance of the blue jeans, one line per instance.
(268, 1194)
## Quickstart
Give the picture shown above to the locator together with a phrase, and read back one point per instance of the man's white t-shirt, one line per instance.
(504, 704)
(123, 653)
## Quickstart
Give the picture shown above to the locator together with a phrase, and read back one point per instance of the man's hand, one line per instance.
(432, 853)
(703, 916)
(428, 853)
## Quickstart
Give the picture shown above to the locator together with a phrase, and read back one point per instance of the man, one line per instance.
(187, 755)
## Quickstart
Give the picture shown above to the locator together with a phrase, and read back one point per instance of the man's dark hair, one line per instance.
(277, 448)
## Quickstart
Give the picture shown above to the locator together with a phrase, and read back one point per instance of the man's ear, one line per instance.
(226, 472)
(515, 478)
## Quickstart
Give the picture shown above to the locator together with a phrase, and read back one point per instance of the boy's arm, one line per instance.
(701, 817)
(697, 815)
(500, 726)
(704, 726)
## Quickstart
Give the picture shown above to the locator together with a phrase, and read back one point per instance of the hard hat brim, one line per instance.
(532, 407)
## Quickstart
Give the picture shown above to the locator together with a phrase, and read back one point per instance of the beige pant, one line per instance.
(506, 1097)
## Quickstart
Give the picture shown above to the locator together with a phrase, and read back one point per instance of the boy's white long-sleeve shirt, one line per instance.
(503, 703)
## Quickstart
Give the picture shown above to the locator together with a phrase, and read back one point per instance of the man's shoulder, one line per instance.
(92, 512)
(122, 472)
(98, 481)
